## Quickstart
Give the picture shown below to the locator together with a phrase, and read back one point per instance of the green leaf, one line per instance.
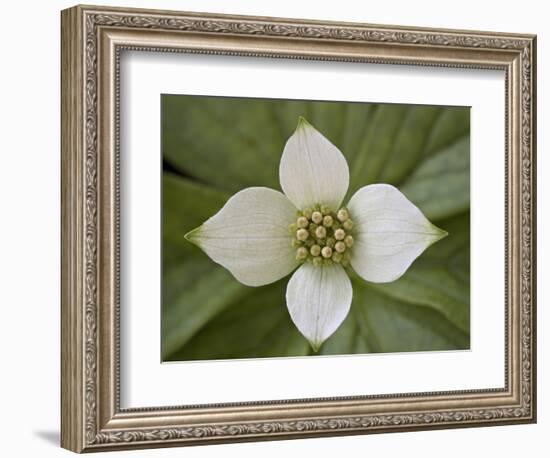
(350, 337)
(440, 185)
(452, 124)
(231, 145)
(255, 326)
(392, 325)
(377, 146)
(378, 323)
(188, 302)
(409, 144)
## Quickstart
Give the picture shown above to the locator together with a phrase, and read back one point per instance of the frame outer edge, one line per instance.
(83, 379)
(72, 227)
(533, 253)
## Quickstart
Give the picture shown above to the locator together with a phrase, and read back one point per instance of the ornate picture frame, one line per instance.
(93, 39)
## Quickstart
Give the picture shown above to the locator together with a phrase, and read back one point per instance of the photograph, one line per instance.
(308, 228)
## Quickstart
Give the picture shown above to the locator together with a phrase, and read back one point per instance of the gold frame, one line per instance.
(92, 39)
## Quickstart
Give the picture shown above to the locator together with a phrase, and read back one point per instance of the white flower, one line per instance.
(261, 235)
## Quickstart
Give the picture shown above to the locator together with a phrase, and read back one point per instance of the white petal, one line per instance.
(312, 170)
(390, 233)
(249, 236)
(318, 299)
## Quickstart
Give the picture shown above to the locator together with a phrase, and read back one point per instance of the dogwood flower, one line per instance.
(261, 235)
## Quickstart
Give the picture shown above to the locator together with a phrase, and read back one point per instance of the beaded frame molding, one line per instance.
(92, 41)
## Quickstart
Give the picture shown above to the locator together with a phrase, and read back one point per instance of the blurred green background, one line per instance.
(215, 146)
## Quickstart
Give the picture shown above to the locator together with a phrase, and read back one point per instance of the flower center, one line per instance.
(322, 236)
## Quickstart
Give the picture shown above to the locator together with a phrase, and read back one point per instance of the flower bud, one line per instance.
(315, 250)
(342, 214)
(302, 222)
(340, 247)
(339, 234)
(328, 221)
(320, 232)
(326, 252)
(348, 224)
(348, 240)
(302, 234)
(301, 253)
(317, 217)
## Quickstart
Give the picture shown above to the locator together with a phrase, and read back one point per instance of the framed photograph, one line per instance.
(278, 228)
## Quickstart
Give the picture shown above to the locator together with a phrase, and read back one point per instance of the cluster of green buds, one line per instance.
(321, 236)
